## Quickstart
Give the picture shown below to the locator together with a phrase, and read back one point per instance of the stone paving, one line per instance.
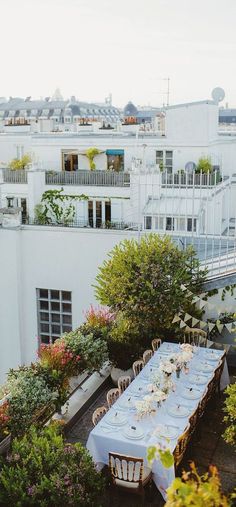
(207, 447)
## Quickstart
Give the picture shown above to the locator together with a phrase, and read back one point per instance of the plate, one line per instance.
(198, 379)
(116, 419)
(127, 403)
(134, 432)
(211, 356)
(191, 393)
(204, 367)
(178, 410)
(166, 431)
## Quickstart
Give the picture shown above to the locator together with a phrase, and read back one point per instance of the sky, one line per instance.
(90, 48)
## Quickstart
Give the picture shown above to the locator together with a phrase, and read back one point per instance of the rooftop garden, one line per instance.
(140, 287)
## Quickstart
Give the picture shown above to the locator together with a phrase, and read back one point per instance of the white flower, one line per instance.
(167, 367)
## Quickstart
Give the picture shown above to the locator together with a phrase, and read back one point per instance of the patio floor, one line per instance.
(208, 447)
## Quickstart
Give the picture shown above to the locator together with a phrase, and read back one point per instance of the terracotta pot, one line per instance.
(116, 373)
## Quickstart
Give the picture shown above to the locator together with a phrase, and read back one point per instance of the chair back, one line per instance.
(98, 414)
(218, 371)
(112, 396)
(196, 337)
(147, 356)
(202, 404)
(125, 468)
(138, 366)
(193, 422)
(156, 343)
(181, 446)
(123, 383)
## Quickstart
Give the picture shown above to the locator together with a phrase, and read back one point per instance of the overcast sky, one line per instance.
(89, 48)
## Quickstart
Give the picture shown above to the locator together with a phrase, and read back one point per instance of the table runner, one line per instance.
(101, 442)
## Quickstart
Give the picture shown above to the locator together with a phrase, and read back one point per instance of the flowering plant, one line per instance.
(100, 316)
(187, 347)
(4, 419)
(58, 357)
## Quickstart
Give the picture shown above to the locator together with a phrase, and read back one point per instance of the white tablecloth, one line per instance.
(105, 438)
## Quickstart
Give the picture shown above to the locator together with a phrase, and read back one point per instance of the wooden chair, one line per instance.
(137, 367)
(202, 405)
(195, 337)
(123, 383)
(98, 414)
(193, 420)
(156, 343)
(128, 473)
(147, 355)
(181, 447)
(217, 376)
(112, 396)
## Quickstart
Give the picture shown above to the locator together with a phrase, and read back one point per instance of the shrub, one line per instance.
(29, 395)
(98, 322)
(143, 281)
(43, 471)
(18, 164)
(230, 418)
(4, 420)
(204, 165)
(93, 352)
(196, 491)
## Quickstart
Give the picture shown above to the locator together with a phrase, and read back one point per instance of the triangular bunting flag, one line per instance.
(182, 286)
(187, 317)
(195, 299)
(176, 319)
(189, 293)
(219, 327)
(202, 295)
(182, 324)
(211, 325)
(202, 324)
(229, 326)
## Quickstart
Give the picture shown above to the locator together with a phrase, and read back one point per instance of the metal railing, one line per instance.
(17, 176)
(85, 177)
(189, 180)
(83, 224)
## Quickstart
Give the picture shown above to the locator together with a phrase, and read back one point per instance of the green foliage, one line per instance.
(228, 288)
(29, 394)
(93, 352)
(165, 455)
(143, 281)
(193, 490)
(126, 342)
(204, 165)
(43, 471)
(56, 207)
(19, 164)
(230, 418)
(91, 153)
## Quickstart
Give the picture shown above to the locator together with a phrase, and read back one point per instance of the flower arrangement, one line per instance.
(167, 367)
(145, 406)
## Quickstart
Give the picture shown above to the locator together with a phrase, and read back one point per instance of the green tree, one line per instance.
(143, 281)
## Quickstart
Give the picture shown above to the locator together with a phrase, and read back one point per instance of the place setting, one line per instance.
(178, 410)
(133, 432)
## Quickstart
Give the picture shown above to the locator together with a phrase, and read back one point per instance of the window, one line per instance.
(148, 222)
(165, 160)
(10, 202)
(191, 225)
(180, 224)
(54, 314)
(169, 224)
(159, 223)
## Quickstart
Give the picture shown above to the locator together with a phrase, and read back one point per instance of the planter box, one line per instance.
(5, 444)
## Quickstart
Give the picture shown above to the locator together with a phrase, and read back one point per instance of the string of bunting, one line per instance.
(185, 320)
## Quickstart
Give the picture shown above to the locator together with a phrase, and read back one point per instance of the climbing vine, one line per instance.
(56, 207)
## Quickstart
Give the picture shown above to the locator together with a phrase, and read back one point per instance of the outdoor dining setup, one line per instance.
(162, 406)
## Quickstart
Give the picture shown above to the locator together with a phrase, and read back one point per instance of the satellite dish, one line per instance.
(218, 94)
(190, 167)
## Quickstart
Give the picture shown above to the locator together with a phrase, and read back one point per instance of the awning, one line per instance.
(114, 152)
(172, 207)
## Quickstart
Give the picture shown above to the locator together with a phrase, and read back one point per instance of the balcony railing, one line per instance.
(97, 178)
(190, 180)
(83, 224)
(10, 176)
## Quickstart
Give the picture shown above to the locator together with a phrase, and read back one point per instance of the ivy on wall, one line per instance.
(56, 207)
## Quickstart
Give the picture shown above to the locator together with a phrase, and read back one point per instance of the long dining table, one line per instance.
(120, 431)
